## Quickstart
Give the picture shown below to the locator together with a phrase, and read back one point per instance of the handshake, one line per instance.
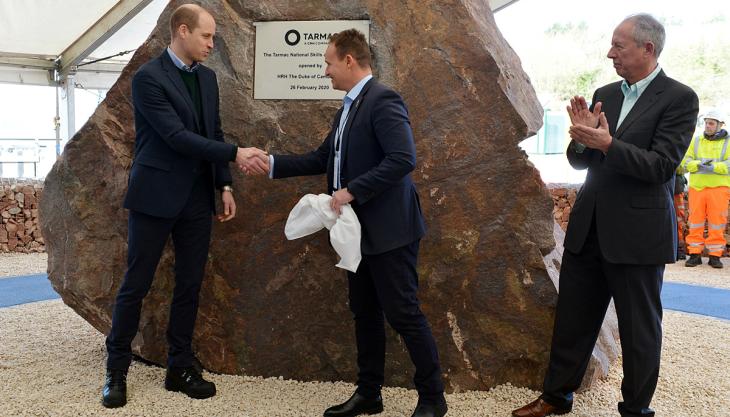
(252, 161)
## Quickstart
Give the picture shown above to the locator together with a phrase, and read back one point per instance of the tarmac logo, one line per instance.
(292, 37)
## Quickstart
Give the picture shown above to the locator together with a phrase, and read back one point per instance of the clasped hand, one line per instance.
(252, 161)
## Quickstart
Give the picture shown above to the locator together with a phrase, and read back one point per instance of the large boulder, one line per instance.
(273, 307)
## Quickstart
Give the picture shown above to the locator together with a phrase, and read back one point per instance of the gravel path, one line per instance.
(15, 264)
(700, 275)
(52, 362)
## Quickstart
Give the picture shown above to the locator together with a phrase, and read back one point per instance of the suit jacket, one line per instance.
(629, 190)
(378, 155)
(169, 154)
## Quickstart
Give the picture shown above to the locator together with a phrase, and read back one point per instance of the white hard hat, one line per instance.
(715, 114)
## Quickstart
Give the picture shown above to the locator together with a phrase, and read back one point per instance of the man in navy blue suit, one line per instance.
(368, 156)
(179, 159)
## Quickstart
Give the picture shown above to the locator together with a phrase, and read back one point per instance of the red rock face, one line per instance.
(277, 308)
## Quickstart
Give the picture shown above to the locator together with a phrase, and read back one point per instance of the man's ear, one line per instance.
(649, 48)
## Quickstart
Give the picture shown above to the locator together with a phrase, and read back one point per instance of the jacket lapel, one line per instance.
(350, 117)
(172, 73)
(612, 105)
(647, 99)
(205, 98)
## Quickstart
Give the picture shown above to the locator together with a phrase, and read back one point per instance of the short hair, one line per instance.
(188, 15)
(648, 29)
(352, 42)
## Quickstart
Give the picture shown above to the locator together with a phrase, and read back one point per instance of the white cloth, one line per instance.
(313, 213)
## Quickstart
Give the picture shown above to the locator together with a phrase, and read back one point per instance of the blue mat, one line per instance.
(695, 299)
(25, 289)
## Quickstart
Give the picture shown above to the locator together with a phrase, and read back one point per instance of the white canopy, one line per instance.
(46, 35)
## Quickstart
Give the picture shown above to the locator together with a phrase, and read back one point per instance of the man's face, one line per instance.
(711, 126)
(631, 61)
(336, 68)
(199, 42)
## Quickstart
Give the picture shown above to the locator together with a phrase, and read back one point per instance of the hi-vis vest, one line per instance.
(709, 152)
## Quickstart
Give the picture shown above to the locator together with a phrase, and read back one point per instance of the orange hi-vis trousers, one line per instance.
(681, 210)
(709, 204)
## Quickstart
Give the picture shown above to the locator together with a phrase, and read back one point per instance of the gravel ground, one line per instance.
(700, 275)
(15, 264)
(52, 362)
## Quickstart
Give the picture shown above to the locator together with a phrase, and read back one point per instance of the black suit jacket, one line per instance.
(629, 190)
(168, 153)
(378, 155)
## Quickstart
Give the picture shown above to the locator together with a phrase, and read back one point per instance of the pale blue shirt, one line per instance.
(180, 64)
(346, 103)
(633, 92)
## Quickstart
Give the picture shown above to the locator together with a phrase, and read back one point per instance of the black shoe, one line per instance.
(694, 260)
(681, 256)
(190, 382)
(355, 406)
(430, 410)
(715, 262)
(115, 389)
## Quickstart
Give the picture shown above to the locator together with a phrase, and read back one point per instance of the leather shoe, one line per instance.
(355, 406)
(114, 393)
(540, 408)
(430, 410)
(190, 382)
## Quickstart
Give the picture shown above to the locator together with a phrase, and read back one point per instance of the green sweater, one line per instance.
(191, 83)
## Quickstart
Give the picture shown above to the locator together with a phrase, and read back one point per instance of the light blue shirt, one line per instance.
(180, 64)
(346, 103)
(633, 92)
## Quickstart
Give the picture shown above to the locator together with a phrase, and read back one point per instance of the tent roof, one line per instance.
(44, 35)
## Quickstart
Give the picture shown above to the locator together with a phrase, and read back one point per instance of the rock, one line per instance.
(272, 307)
(3, 235)
(14, 210)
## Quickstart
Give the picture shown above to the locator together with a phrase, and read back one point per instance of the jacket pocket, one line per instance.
(153, 162)
(649, 202)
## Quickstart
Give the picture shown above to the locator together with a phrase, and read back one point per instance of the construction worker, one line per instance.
(709, 190)
(680, 188)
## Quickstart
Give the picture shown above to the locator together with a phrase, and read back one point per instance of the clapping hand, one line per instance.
(581, 115)
(252, 161)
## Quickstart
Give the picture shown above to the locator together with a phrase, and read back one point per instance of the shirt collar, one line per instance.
(639, 86)
(180, 64)
(355, 91)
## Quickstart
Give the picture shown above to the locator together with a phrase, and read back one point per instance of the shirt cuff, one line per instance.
(271, 166)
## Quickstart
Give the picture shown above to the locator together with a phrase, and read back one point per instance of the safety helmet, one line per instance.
(715, 114)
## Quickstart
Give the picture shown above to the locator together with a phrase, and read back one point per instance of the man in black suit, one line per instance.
(622, 228)
(180, 156)
(368, 156)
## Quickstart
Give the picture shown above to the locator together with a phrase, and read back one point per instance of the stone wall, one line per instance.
(19, 230)
(564, 196)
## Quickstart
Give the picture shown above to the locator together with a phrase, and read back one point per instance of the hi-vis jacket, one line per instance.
(709, 152)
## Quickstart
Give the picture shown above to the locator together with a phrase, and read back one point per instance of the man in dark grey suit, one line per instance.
(622, 228)
(179, 159)
(368, 157)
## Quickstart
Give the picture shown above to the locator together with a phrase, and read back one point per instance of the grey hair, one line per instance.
(648, 29)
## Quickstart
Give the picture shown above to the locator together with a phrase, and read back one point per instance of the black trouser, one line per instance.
(190, 232)
(587, 283)
(387, 284)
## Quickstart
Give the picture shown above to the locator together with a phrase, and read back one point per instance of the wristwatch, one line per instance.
(227, 188)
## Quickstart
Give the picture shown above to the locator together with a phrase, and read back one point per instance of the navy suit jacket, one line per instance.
(378, 156)
(168, 153)
(630, 189)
